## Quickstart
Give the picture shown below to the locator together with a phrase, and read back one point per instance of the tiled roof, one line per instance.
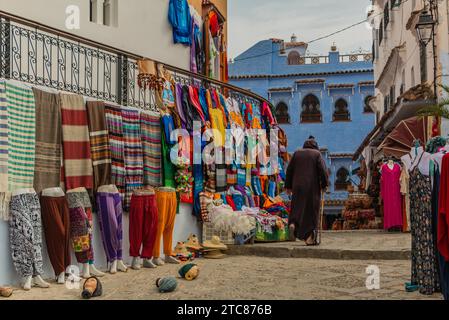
(340, 85)
(308, 81)
(341, 155)
(292, 75)
(280, 89)
(366, 83)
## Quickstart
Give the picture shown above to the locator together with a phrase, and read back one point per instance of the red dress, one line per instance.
(391, 195)
(443, 210)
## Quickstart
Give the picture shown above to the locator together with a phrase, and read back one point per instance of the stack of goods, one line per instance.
(182, 253)
(358, 213)
(194, 246)
(214, 248)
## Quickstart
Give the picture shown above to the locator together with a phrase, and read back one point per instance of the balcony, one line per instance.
(44, 56)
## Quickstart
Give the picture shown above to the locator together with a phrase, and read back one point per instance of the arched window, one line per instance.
(367, 107)
(342, 181)
(311, 110)
(282, 115)
(341, 112)
(294, 58)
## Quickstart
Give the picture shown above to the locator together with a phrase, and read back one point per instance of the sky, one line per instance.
(251, 21)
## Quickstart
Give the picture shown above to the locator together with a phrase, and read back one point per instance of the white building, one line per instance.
(140, 27)
(402, 63)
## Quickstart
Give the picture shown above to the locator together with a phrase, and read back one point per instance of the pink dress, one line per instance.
(391, 195)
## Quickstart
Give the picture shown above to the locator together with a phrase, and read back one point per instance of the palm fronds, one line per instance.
(438, 110)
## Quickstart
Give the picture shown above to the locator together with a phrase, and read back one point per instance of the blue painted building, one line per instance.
(323, 96)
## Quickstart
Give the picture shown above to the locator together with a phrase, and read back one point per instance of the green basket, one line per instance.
(276, 236)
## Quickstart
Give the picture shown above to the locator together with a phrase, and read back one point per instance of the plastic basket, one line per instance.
(276, 236)
(209, 232)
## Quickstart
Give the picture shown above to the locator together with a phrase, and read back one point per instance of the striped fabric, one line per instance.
(76, 145)
(4, 196)
(99, 143)
(114, 124)
(133, 153)
(47, 173)
(150, 125)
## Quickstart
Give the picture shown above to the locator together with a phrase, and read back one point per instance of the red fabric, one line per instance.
(443, 210)
(194, 98)
(214, 25)
(391, 196)
(143, 220)
(231, 203)
(266, 112)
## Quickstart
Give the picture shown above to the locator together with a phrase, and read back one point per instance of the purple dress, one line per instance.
(391, 195)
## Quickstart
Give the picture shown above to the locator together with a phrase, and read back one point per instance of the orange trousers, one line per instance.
(167, 204)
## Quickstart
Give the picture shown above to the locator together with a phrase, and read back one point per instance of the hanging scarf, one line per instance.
(76, 144)
(47, 172)
(99, 143)
(150, 125)
(4, 191)
(114, 124)
(133, 153)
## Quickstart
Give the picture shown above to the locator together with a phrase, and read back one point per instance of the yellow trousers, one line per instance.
(166, 205)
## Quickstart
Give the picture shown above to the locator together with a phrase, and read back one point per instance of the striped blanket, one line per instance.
(114, 124)
(133, 153)
(76, 145)
(150, 125)
(21, 137)
(47, 173)
(99, 144)
(4, 196)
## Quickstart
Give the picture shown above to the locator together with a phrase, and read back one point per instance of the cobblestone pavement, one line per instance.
(254, 278)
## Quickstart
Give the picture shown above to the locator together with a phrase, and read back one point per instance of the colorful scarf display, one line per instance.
(76, 144)
(4, 196)
(114, 124)
(47, 173)
(99, 143)
(150, 125)
(133, 153)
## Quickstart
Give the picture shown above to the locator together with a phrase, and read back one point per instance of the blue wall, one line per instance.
(336, 137)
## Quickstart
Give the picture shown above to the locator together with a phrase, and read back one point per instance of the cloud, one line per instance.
(253, 20)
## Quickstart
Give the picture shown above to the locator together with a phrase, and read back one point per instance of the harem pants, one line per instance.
(110, 216)
(143, 220)
(56, 223)
(166, 204)
(81, 226)
(25, 234)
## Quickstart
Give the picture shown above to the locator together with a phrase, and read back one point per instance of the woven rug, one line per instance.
(114, 122)
(150, 125)
(47, 173)
(133, 153)
(76, 144)
(99, 143)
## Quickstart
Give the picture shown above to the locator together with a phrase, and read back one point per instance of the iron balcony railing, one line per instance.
(44, 56)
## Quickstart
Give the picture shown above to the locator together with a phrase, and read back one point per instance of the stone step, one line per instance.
(342, 245)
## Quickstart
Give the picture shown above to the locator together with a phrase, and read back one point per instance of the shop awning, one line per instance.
(401, 111)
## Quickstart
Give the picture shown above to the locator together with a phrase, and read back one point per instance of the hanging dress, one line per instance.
(424, 265)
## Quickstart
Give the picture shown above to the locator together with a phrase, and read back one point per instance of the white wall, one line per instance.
(143, 29)
(143, 26)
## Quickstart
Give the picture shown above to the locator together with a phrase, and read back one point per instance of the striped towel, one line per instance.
(133, 153)
(150, 124)
(4, 194)
(47, 173)
(99, 144)
(75, 137)
(114, 124)
(21, 137)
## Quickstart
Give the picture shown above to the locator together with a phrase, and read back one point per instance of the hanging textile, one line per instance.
(391, 195)
(76, 143)
(4, 192)
(114, 124)
(133, 153)
(99, 143)
(424, 264)
(181, 21)
(196, 49)
(47, 172)
(150, 125)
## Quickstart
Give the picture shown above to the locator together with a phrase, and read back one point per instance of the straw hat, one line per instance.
(213, 254)
(215, 243)
(193, 243)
